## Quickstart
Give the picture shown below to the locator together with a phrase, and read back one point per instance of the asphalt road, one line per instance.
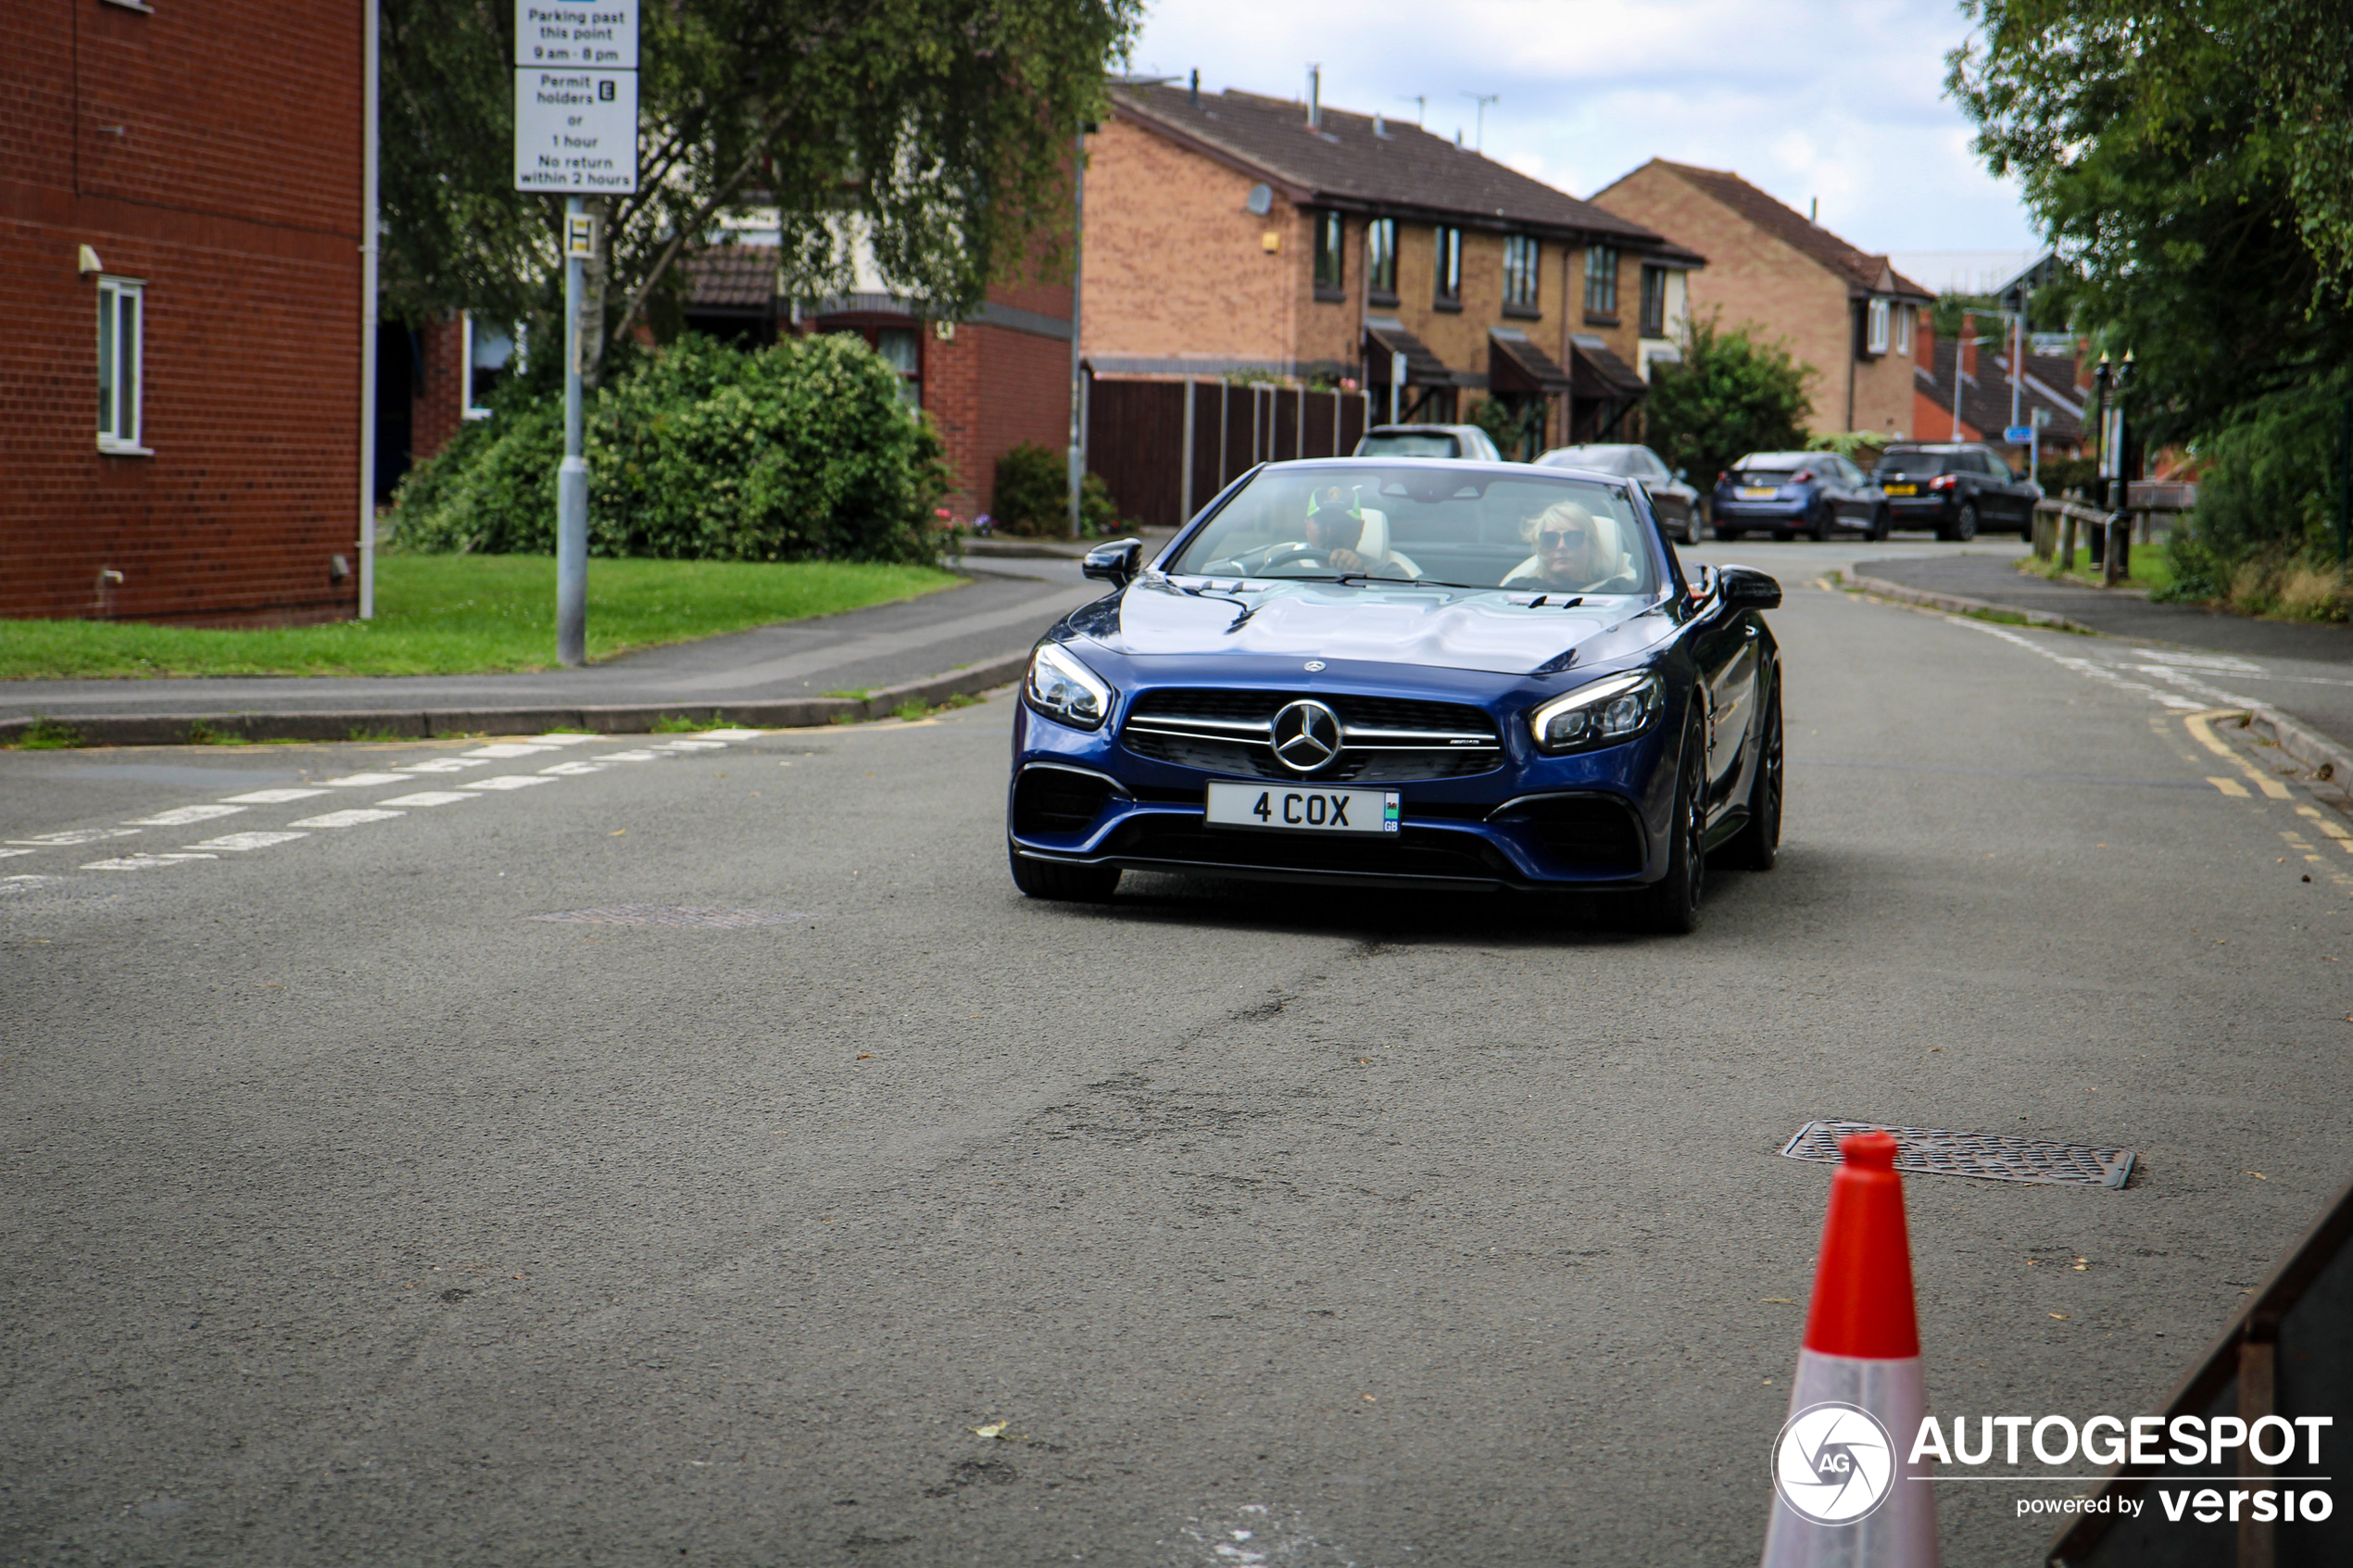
(350, 1213)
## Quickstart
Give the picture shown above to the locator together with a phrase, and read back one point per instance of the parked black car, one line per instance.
(1954, 488)
(1813, 492)
(1676, 503)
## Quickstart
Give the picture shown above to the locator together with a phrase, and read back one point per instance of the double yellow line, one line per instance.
(2201, 726)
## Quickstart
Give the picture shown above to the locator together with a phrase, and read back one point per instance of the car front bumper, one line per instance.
(1594, 820)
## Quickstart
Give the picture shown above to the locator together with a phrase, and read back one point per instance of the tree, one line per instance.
(1732, 394)
(939, 132)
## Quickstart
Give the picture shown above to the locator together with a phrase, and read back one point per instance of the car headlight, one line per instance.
(1611, 710)
(1061, 686)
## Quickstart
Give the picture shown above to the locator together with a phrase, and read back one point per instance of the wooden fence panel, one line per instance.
(1136, 435)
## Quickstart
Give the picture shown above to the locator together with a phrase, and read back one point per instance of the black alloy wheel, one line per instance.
(1878, 532)
(1817, 527)
(1757, 847)
(1671, 905)
(1052, 879)
(1964, 524)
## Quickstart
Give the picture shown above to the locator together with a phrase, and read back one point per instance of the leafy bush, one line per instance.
(2059, 475)
(800, 451)
(2264, 534)
(1517, 430)
(1032, 497)
(1731, 394)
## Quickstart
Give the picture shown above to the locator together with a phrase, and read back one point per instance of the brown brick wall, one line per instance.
(988, 390)
(1175, 264)
(1753, 278)
(232, 188)
(437, 402)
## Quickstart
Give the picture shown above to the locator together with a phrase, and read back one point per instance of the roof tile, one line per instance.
(1862, 271)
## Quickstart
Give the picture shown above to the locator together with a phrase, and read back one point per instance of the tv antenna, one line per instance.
(1420, 102)
(1484, 99)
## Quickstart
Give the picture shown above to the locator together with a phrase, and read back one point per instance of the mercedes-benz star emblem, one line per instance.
(1313, 665)
(1306, 735)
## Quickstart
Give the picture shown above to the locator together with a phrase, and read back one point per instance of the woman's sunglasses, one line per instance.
(1559, 539)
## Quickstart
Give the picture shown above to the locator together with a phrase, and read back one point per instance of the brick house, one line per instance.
(2057, 386)
(1237, 234)
(1848, 316)
(181, 216)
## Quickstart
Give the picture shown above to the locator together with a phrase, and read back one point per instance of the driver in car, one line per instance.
(1571, 555)
(1335, 524)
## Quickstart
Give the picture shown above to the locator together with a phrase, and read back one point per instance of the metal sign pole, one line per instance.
(572, 477)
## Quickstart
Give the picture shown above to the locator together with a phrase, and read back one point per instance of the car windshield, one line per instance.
(1462, 528)
(1432, 445)
(1912, 465)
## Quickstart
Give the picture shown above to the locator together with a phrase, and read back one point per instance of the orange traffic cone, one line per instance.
(1844, 1491)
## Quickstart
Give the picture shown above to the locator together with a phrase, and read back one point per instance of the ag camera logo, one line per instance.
(1833, 1464)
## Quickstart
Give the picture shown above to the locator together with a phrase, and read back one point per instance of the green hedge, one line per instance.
(800, 451)
(1032, 497)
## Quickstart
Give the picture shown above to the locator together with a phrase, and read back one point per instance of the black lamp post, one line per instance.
(2117, 564)
(2103, 384)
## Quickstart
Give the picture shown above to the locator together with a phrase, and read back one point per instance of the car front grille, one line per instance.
(1383, 740)
(1416, 852)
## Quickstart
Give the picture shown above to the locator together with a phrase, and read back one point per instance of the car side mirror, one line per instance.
(1116, 563)
(1746, 588)
(1680, 474)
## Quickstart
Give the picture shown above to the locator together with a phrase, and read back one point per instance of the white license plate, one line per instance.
(1299, 809)
(1757, 492)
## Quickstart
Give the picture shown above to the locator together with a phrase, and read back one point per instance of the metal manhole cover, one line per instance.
(1987, 1156)
(663, 914)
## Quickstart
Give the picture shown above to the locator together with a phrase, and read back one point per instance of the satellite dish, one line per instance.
(1262, 200)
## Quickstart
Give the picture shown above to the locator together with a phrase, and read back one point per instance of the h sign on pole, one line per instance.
(575, 135)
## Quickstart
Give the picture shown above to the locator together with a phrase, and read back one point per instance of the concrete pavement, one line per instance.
(356, 1210)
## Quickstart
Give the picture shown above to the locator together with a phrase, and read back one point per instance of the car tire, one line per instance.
(1726, 536)
(1672, 904)
(1757, 847)
(1781, 537)
(1879, 528)
(1055, 880)
(1964, 525)
(1817, 527)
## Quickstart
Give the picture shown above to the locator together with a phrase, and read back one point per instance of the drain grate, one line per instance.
(663, 914)
(1987, 1156)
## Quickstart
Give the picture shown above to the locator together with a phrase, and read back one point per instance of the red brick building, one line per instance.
(180, 200)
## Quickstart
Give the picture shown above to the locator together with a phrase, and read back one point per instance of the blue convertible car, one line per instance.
(1435, 674)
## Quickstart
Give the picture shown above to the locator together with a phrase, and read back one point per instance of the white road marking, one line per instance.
(363, 781)
(733, 734)
(74, 835)
(444, 765)
(558, 740)
(6, 853)
(626, 756)
(27, 883)
(143, 861)
(180, 816)
(248, 840)
(508, 748)
(272, 796)
(569, 770)
(508, 781)
(693, 746)
(429, 798)
(351, 819)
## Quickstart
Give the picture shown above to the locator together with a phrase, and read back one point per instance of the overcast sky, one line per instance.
(1840, 99)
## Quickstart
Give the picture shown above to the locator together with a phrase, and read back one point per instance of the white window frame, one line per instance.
(467, 407)
(1875, 330)
(121, 406)
(1903, 328)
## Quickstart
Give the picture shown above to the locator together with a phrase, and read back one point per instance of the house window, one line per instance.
(1653, 302)
(1519, 272)
(1875, 327)
(1448, 287)
(1331, 279)
(1600, 279)
(1903, 329)
(490, 356)
(901, 349)
(121, 332)
(1380, 260)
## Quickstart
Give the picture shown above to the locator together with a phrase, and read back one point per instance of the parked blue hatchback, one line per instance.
(1434, 674)
(1814, 493)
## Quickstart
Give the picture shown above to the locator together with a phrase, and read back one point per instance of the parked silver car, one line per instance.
(1676, 502)
(1428, 441)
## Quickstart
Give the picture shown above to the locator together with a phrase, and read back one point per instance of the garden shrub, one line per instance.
(803, 450)
(2263, 537)
(1032, 497)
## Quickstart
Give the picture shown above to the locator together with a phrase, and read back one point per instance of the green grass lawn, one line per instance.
(2152, 568)
(461, 615)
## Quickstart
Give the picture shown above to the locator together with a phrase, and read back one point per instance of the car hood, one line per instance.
(1453, 629)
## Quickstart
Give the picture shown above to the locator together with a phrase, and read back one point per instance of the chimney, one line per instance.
(1924, 341)
(1379, 127)
(1314, 97)
(1196, 89)
(1968, 345)
(1814, 211)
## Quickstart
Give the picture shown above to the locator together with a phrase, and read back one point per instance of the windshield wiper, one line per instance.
(1366, 579)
